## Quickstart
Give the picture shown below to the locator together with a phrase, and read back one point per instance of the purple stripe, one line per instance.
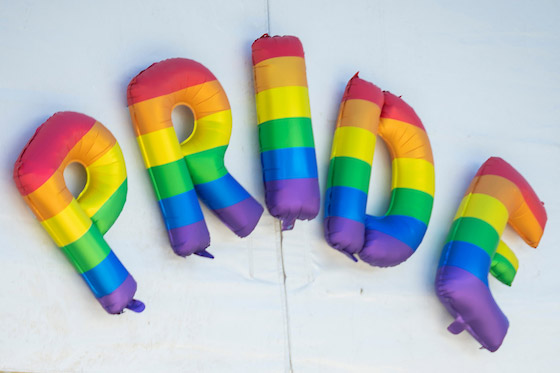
(242, 217)
(344, 235)
(119, 299)
(292, 199)
(383, 250)
(189, 239)
(469, 300)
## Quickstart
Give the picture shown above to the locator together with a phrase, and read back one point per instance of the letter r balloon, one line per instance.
(180, 172)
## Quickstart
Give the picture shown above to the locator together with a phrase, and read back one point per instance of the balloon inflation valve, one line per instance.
(205, 254)
(136, 306)
(456, 326)
(350, 256)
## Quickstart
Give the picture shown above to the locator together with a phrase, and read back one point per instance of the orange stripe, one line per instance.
(497, 166)
(280, 72)
(50, 198)
(498, 187)
(359, 113)
(526, 225)
(53, 196)
(155, 114)
(521, 217)
(92, 146)
(405, 140)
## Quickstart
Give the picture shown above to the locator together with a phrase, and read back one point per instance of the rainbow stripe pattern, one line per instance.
(350, 166)
(285, 133)
(497, 195)
(77, 225)
(391, 239)
(181, 172)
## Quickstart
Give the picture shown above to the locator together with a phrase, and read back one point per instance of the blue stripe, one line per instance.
(106, 277)
(180, 210)
(404, 228)
(346, 202)
(221, 193)
(289, 163)
(466, 256)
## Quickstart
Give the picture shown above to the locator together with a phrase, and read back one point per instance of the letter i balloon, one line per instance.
(77, 225)
(285, 134)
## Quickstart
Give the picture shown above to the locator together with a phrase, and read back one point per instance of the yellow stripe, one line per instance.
(160, 147)
(68, 225)
(282, 102)
(105, 176)
(506, 252)
(210, 132)
(485, 208)
(353, 142)
(414, 174)
(280, 72)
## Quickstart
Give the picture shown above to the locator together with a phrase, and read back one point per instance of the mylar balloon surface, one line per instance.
(182, 171)
(498, 195)
(285, 134)
(77, 225)
(384, 241)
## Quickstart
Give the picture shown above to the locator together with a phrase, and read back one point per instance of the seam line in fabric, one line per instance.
(268, 16)
(285, 296)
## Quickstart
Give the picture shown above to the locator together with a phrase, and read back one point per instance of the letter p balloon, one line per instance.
(77, 225)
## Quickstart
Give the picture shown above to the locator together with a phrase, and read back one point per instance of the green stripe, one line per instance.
(411, 202)
(502, 269)
(168, 180)
(207, 165)
(350, 172)
(87, 251)
(475, 231)
(110, 211)
(286, 133)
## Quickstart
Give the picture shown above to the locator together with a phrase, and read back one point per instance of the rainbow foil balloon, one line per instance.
(285, 133)
(497, 195)
(180, 172)
(366, 111)
(77, 225)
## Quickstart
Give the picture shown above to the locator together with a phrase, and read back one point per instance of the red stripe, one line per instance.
(267, 47)
(165, 77)
(48, 147)
(396, 108)
(497, 166)
(359, 89)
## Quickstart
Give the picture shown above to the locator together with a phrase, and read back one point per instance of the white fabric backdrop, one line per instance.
(483, 77)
